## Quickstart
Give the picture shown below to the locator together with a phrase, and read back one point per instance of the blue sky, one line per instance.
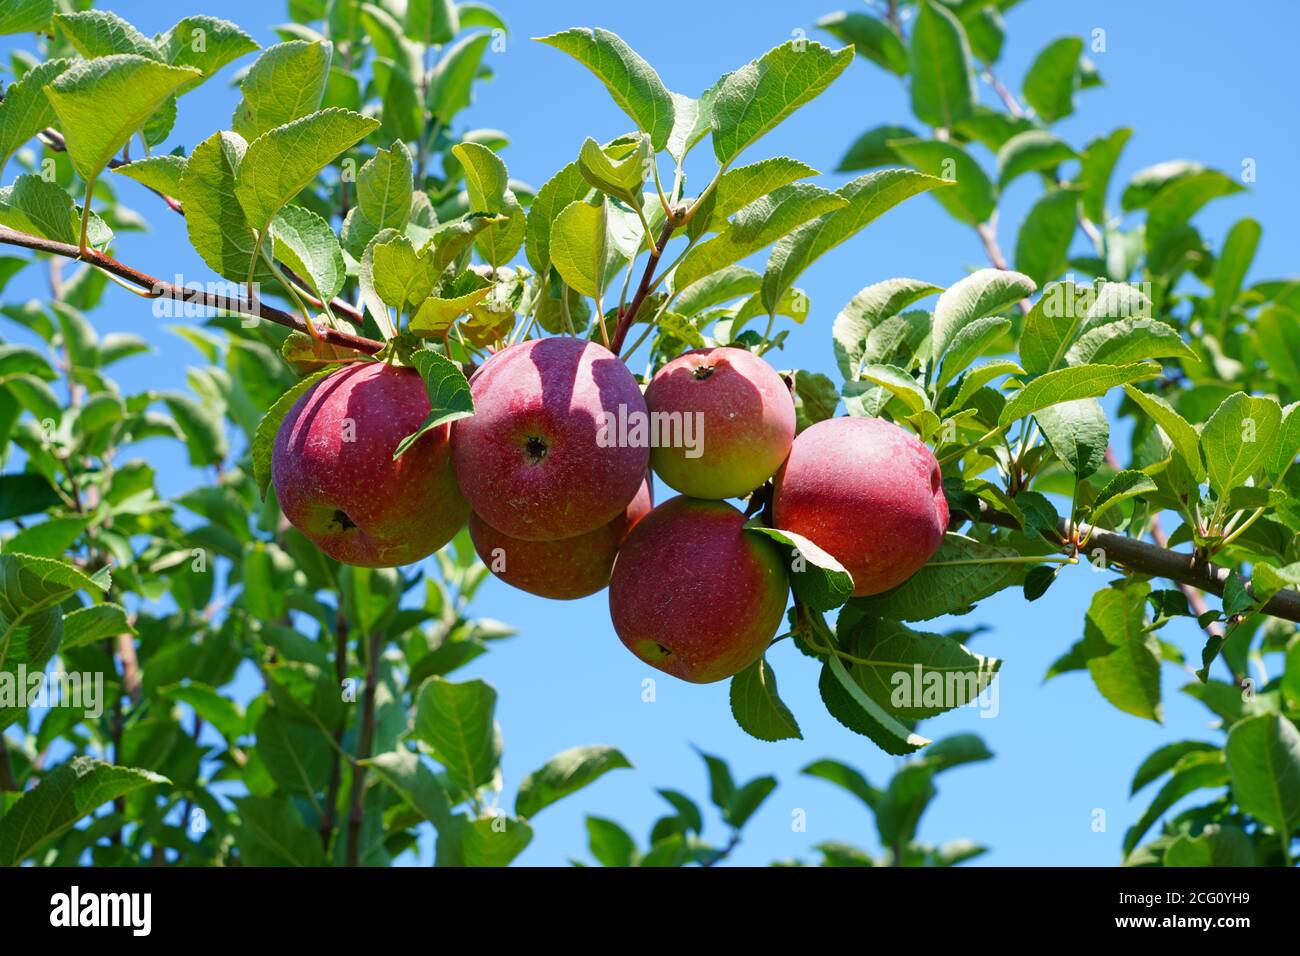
(1194, 80)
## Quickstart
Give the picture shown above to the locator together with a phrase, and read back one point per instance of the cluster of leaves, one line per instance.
(1007, 390)
(357, 737)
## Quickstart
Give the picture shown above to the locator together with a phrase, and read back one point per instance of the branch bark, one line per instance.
(625, 319)
(356, 798)
(1158, 562)
(154, 288)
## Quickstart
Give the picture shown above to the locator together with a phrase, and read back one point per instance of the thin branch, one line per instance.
(158, 289)
(627, 317)
(1157, 562)
(340, 675)
(356, 797)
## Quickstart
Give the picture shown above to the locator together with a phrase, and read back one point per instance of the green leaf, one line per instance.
(282, 161)
(1123, 657)
(271, 833)
(1068, 384)
(842, 775)
(982, 293)
(1049, 84)
(1096, 168)
(88, 624)
(1163, 759)
(960, 573)
(609, 843)
(817, 578)
(218, 710)
(1216, 845)
(943, 84)
(286, 83)
(631, 81)
(898, 383)
(1239, 438)
(26, 16)
(1122, 486)
(755, 226)
(868, 197)
(747, 801)
(99, 33)
(618, 169)
(456, 721)
(969, 344)
(758, 707)
(855, 709)
(1263, 755)
(453, 77)
(1181, 434)
(408, 775)
(203, 426)
(29, 588)
(866, 311)
(815, 398)
(579, 245)
(566, 773)
(914, 675)
(1175, 204)
(1078, 432)
(565, 187)
(269, 427)
(305, 243)
(26, 110)
(26, 493)
(384, 190)
(1194, 772)
(870, 37)
(1234, 261)
(762, 93)
(1029, 151)
(206, 44)
(67, 793)
(431, 21)
(871, 149)
(1266, 579)
(1129, 340)
(44, 208)
(436, 314)
(50, 538)
(449, 395)
(218, 229)
(295, 754)
(102, 103)
(972, 198)
(493, 840)
(743, 185)
(162, 173)
(1043, 243)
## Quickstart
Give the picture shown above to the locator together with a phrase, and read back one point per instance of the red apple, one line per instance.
(565, 569)
(335, 476)
(735, 413)
(694, 594)
(537, 461)
(869, 493)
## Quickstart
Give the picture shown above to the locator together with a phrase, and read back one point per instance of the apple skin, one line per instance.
(869, 493)
(696, 595)
(351, 498)
(530, 460)
(747, 427)
(561, 570)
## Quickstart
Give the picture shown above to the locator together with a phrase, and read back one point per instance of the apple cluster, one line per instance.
(559, 503)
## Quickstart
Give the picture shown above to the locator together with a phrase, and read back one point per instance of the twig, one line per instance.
(626, 318)
(356, 798)
(1156, 561)
(158, 289)
(340, 674)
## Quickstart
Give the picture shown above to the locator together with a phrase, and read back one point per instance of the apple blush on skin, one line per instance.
(561, 570)
(336, 480)
(696, 595)
(869, 493)
(530, 460)
(746, 416)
